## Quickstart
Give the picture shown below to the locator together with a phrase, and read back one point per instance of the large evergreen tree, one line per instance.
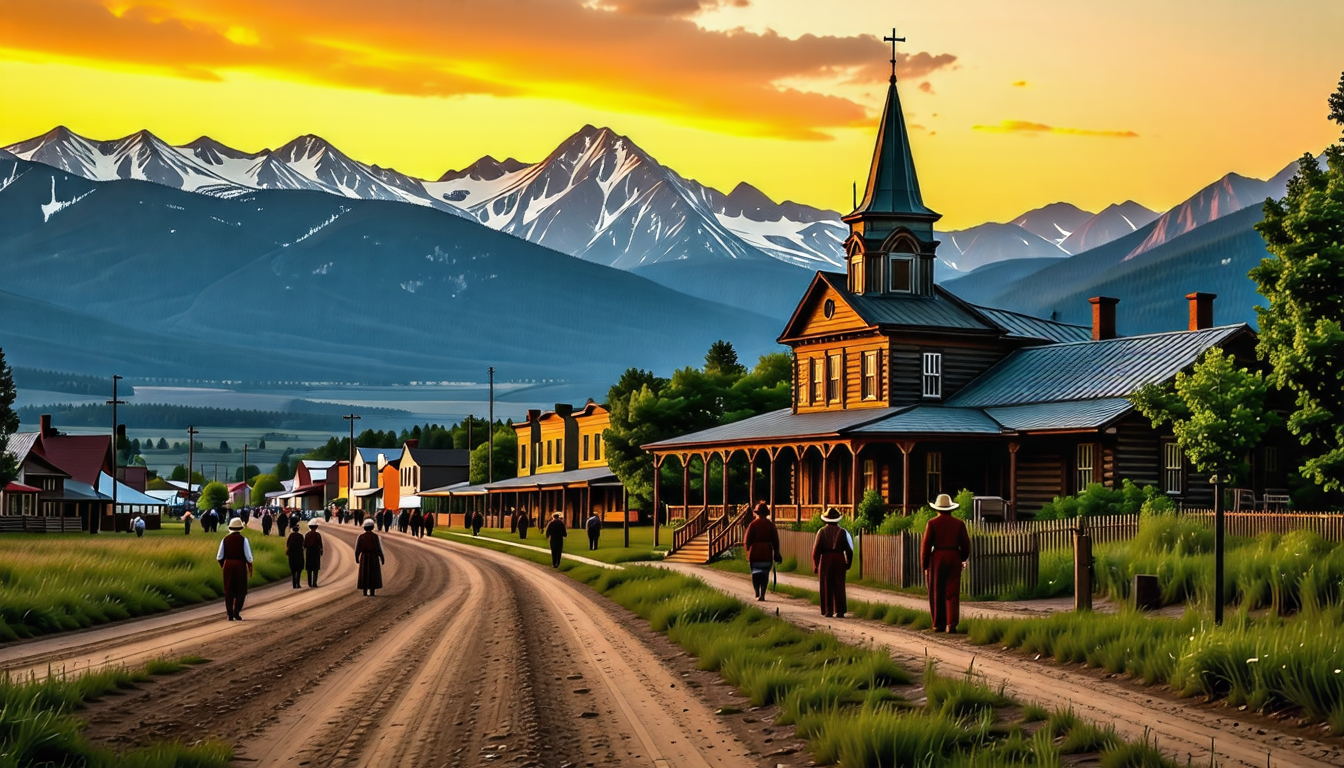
(1302, 329)
(9, 421)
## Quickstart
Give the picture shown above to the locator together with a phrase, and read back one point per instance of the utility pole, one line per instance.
(114, 402)
(491, 433)
(350, 469)
(192, 432)
(247, 498)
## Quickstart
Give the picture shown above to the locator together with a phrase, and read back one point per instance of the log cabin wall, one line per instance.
(961, 364)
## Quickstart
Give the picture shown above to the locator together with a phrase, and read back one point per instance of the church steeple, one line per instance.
(891, 246)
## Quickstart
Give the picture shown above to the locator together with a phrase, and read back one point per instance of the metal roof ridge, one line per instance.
(1133, 338)
(1028, 316)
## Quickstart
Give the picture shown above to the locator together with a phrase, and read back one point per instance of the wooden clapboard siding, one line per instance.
(1040, 478)
(851, 382)
(904, 375)
(962, 365)
(1138, 451)
(815, 322)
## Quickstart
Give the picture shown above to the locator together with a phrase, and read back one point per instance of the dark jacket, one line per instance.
(312, 549)
(944, 533)
(555, 530)
(761, 542)
(294, 551)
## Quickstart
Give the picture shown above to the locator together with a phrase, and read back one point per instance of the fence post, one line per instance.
(1082, 570)
(860, 553)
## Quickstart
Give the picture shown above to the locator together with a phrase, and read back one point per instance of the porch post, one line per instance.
(704, 481)
(657, 477)
(725, 482)
(854, 479)
(825, 486)
(774, 453)
(907, 447)
(1012, 479)
(685, 484)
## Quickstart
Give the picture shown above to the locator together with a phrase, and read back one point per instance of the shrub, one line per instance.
(1097, 499)
(872, 510)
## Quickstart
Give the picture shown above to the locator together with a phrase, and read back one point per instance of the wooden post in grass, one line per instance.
(625, 515)
(1082, 569)
(1218, 530)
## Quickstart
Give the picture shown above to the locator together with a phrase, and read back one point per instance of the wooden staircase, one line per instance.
(694, 551)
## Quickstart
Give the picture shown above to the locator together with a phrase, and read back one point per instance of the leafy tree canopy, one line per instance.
(506, 456)
(213, 496)
(722, 358)
(1217, 412)
(1302, 329)
(262, 485)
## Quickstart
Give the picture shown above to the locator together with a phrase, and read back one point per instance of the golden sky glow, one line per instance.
(1012, 103)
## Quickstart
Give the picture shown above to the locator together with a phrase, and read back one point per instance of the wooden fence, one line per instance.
(1327, 525)
(34, 524)
(1058, 534)
(1000, 562)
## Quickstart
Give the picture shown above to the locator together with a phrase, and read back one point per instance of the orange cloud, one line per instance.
(1029, 128)
(644, 56)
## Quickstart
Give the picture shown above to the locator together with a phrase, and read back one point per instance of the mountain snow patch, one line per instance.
(322, 226)
(322, 270)
(411, 286)
(56, 206)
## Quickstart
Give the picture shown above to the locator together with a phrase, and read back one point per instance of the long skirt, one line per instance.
(832, 585)
(944, 577)
(370, 572)
(235, 585)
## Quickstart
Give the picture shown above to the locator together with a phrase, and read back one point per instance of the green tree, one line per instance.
(224, 446)
(163, 444)
(1336, 103)
(262, 485)
(1217, 412)
(213, 496)
(722, 358)
(9, 421)
(252, 472)
(506, 456)
(157, 484)
(283, 470)
(1302, 329)
(261, 444)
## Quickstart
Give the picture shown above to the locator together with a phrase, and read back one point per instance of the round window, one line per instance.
(829, 308)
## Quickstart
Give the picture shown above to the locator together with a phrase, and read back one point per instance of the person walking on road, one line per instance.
(235, 562)
(312, 552)
(428, 523)
(943, 555)
(594, 528)
(282, 522)
(831, 557)
(761, 545)
(477, 523)
(556, 532)
(294, 552)
(266, 522)
(138, 525)
(369, 557)
(417, 520)
(186, 523)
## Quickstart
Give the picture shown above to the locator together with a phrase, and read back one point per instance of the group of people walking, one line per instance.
(944, 551)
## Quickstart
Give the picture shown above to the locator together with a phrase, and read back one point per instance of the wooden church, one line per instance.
(903, 388)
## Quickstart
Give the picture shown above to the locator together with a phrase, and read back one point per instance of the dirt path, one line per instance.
(1181, 727)
(468, 657)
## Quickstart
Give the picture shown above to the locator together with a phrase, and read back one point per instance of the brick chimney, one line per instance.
(533, 414)
(1103, 317)
(45, 425)
(563, 409)
(1201, 310)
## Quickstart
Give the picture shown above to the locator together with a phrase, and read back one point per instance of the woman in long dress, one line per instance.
(369, 556)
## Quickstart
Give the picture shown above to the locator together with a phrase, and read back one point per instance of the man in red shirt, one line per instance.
(235, 561)
(946, 548)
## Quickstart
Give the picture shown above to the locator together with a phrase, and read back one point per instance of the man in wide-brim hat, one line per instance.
(369, 557)
(556, 532)
(943, 555)
(312, 552)
(235, 562)
(831, 557)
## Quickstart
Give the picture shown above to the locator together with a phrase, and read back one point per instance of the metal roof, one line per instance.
(20, 443)
(1028, 327)
(370, 455)
(892, 185)
(440, 457)
(933, 419)
(127, 494)
(83, 456)
(1089, 370)
(777, 425)
(456, 489)
(942, 310)
(547, 479)
(1073, 414)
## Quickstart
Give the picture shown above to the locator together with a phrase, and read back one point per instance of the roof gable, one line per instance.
(83, 456)
(809, 317)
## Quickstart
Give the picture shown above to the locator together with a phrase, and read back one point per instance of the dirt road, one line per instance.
(469, 657)
(1181, 727)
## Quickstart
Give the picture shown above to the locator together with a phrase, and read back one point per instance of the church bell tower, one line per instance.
(890, 250)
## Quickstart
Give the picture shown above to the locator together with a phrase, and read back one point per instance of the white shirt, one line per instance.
(247, 550)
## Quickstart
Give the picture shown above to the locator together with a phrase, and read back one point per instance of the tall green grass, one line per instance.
(59, 582)
(38, 727)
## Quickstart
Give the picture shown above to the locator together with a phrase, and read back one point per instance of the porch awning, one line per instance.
(554, 480)
(361, 493)
(316, 489)
(17, 487)
(456, 489)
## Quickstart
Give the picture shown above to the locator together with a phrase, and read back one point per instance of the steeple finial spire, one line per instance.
(893, 40)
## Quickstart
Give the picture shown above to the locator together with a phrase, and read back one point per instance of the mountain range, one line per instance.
(300, 285)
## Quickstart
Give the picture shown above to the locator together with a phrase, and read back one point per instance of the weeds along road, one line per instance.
(1180, 727)
(469, 657)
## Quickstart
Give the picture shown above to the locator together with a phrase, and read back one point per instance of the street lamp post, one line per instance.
(192, 432)
(114, 402)
(246, 498)
(490, 473)
(350, 468)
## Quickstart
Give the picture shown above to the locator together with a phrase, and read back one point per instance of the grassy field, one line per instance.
(38, 726)
(58, 582)
(611, 548)
(854, 706)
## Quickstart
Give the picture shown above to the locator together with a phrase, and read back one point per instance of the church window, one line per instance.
(828, 309)
(817, 391)
(933, 374)
(872, 274)
(870, 375)
(933, 474)
(833, 381)
(902, 274)
(1087, 473)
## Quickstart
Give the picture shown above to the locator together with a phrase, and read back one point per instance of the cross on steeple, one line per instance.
(893, 40)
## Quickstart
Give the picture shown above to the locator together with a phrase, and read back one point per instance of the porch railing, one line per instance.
(691, 530)
(727, 531)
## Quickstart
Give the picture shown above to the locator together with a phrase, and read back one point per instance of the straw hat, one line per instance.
(556, 515)
(368, 524)
(944, 503)
(832, 515)
(236, 524)
(312, 523)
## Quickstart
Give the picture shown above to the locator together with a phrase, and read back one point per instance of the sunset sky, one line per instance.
(1012, 103)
